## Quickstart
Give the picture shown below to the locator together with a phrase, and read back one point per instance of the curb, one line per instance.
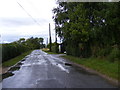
(109, 79)
(13, 65)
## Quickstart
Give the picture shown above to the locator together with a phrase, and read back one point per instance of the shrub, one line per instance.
(114, 54)
(72, 50)
(12, 50)
(54, 47)
(104, 52)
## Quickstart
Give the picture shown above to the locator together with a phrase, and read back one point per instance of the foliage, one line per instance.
(104, 52)
(47, 50)
(103, 66)
(54, 47)
(114, 54)
(88, 28)
(16, 48)
(16, 59)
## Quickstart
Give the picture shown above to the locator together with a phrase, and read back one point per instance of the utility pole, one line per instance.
(46, 42)
(50, 41)
(56, 40)
(55, 34)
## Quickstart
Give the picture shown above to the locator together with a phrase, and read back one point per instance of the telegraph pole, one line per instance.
(55, 34)
(56, 40)
(50, 41)
(46, 42)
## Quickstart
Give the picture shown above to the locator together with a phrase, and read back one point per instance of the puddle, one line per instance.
(16, 67)
(68, 64)
(23, 59)
(20, 63)
(27, 56)
(11, 70)
(8, 74)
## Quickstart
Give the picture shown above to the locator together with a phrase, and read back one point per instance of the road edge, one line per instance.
(109, 79)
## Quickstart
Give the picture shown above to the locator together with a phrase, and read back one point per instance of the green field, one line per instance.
(101, 65)
(15, 60)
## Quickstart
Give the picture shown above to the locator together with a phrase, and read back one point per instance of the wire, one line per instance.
(28, 13)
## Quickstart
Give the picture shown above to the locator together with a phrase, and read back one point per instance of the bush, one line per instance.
(73, 50)
(12, 50)
(104, 52)
(81, 50)
(16, 48)
(114, 54)
(55, 48)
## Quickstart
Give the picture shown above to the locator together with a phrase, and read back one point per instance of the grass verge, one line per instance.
(103, 66)
(15, 60)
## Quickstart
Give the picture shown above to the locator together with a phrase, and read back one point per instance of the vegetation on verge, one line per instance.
(103, 66)
(48, 51)
(11, 50)
(89, 28)
(54, 47)
(16, 59)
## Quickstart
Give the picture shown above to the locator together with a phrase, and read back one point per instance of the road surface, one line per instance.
(42, 70)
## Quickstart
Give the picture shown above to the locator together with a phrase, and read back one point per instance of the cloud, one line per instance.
(10, 34)
(17, 22)
(13, 36)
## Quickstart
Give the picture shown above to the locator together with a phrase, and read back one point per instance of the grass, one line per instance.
(101, 65)
(15, 60)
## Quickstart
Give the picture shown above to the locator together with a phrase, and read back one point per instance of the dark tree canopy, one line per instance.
(87, 27)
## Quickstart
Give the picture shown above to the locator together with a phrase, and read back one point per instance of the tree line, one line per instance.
(11, 50)
(89, 28)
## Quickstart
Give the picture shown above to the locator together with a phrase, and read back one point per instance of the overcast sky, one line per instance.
(26, 18)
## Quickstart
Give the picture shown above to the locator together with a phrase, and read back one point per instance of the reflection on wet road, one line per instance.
(42, 70)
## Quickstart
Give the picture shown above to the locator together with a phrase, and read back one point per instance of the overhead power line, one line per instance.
(28, 13)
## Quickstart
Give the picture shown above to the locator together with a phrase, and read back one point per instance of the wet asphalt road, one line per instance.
(42, 70)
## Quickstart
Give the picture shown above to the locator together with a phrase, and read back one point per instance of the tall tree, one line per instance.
(87, 27)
